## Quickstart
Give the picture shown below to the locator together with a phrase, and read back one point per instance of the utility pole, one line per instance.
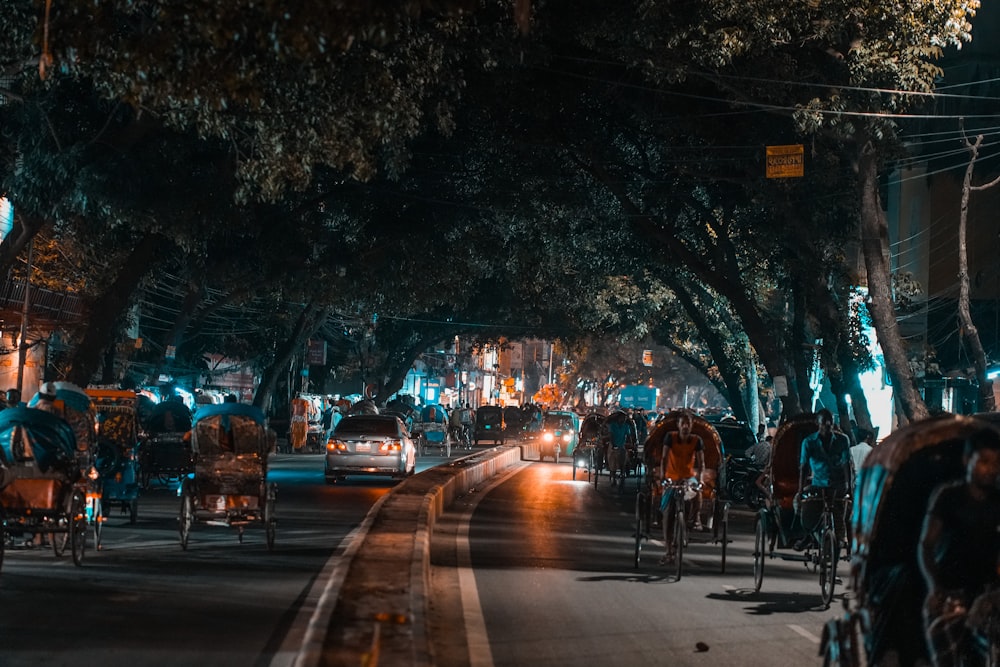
(22, 343)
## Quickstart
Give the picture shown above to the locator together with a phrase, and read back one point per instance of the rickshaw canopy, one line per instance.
(229, 427)
(168, 417)
(75, 406)
(27, 434)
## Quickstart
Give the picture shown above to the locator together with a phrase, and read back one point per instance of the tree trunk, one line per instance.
(732, 381)
(106, 311)
(310, 320)
(26, 227)
(970, 334)
(874, 233)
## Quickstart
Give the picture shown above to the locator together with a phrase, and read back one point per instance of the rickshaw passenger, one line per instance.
(827, 456)
(683, 458)
(959, 551)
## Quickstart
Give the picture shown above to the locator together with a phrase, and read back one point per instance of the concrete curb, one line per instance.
(380, 615)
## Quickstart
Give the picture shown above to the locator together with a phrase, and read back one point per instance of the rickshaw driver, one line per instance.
(827, 455)
(683, 458)
(958, 556)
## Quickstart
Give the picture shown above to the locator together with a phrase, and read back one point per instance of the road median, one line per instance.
(380, 615)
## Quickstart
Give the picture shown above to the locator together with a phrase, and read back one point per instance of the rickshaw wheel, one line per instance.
(829, 552)
(78, 528)
(133, 511)
(186, 519)
(3, 543)
(59, 542)
(759, 547)
(269, 520)
(724, 533)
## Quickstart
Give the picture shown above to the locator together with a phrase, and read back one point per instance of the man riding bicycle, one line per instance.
(683, 459)
(826, 454)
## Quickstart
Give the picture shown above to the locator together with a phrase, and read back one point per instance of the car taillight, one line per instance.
(391, 446)
(336, 445)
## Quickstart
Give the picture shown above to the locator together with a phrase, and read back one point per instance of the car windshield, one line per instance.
(559, 422)
(366, 427)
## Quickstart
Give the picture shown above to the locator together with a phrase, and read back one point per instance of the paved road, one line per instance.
(142, 601)
(552, 582)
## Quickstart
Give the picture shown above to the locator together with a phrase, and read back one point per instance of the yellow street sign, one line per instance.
(785, 161)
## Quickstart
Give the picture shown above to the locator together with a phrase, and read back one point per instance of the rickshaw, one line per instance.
(164, 453)
(780, 527)
(882, 622)
(713, 504)
(589, 452)
(117, 442)
(75, 407)
(40, 474)
(431, 431)
(228, 487)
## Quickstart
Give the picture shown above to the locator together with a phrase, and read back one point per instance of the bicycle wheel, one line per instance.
(759, 548)
(680, 537)
(828, 555)
(186, 519)
(269, 521)
(95, 514)
(639, 528)
(78, 528)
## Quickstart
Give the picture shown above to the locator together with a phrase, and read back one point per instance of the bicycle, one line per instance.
(823, 534)
(678, 490)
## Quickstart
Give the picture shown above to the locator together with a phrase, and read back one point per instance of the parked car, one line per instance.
(369, 445)
(490, 424)
(560, 435)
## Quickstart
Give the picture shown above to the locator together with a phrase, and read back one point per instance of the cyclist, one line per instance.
(683, 458)
(620, 438)
(826, 454)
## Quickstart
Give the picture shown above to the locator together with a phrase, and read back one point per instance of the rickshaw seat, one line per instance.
(31, 493)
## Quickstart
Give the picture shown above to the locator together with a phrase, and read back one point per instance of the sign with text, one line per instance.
(316, 352)
(785, 161)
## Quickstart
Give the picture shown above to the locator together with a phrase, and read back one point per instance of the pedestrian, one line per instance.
(620, 436)
(760, 454)
(47, 398)
(859, 452)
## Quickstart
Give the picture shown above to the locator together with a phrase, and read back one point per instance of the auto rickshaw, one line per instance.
(230, 443)
(117, 442)
(40, 475)
(714, 506)
(882, 621)
(164, 453)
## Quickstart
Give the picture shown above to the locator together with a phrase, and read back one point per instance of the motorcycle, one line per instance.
(741, 486)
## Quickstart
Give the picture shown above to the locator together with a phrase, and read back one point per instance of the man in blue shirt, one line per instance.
(826, 454)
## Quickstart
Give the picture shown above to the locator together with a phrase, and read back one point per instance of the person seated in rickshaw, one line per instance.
(826, 455)
(683, 459)
(959, 557)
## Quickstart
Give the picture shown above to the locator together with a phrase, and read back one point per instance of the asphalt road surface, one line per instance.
(534, 568)
(538, 569)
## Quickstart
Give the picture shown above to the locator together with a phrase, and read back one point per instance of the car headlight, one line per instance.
(547, 437)
(567, 438)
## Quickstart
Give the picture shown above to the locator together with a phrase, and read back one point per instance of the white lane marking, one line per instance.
(480, 653)
(314, 614)
(799, 630)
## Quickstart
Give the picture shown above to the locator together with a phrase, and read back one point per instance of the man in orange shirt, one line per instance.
(683, 458)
